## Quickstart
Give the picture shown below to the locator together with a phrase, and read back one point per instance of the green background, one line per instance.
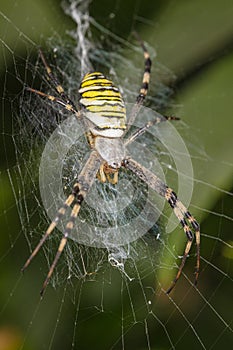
(194, 40)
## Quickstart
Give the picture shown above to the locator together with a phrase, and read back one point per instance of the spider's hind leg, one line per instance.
(80, 190)
(186, 215)
(61, 212)
(181, 212)
(69, 227)
(85, 181)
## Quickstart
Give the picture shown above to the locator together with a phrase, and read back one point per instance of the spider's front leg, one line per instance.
(55, 82)
(179, 209)
(80, 190)
(64, 99)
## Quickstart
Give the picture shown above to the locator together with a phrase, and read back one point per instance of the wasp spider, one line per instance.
(102, 109)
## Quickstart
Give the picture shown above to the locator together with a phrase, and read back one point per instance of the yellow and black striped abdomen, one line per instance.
(103, 105)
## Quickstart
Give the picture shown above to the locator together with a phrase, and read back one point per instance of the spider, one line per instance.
(102, 110)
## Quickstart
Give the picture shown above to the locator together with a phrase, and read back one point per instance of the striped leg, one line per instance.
(55, 82)
(64, 100)
(143, 129)
(145, 83)
(146, 76)
(80, 189)
(53, 224)
(182, 214)
(59, 101)
(69, 227)
(179, 209)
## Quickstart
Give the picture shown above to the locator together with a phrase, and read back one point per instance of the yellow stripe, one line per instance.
(110, 98)
(110, 108)
(93, 73)
(103, 102)
(105, 93)
(97, 87)
(90, 75)
(101, 82)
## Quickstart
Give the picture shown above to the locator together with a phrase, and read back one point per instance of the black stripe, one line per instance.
(107, 104)
(79, 199)
(141, 98)
(107, 127)
(148, 65)
(195, 225)
(147, 70)
(189, 233)
(75, 191)
(106, 111)
(113, 98)
(68, 230)
(144, 86)
(193, 222)
(111, 88)
(72, 219)
(96, 84)
(93, 77)
(183, 222)
(110, 116)
(59, 216)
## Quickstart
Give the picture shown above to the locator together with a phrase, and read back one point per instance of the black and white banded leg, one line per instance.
(159, 119)
(63, 100)
(55, 82)
(145, 84)
(80, 189)
(179, 209)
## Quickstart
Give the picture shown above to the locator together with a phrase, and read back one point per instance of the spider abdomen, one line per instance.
(103, 104)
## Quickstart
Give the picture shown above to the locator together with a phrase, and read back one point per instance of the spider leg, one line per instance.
(179, 209)
(53, 224)
(64, 100)
(63, 241)
(159, 119)
(55, 82)
(80, 189)
(57, 100)
(145, 84)
(146, 76)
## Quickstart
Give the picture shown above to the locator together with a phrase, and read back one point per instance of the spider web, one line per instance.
(94, 303)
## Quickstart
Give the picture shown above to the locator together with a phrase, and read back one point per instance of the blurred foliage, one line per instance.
(194, 39)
